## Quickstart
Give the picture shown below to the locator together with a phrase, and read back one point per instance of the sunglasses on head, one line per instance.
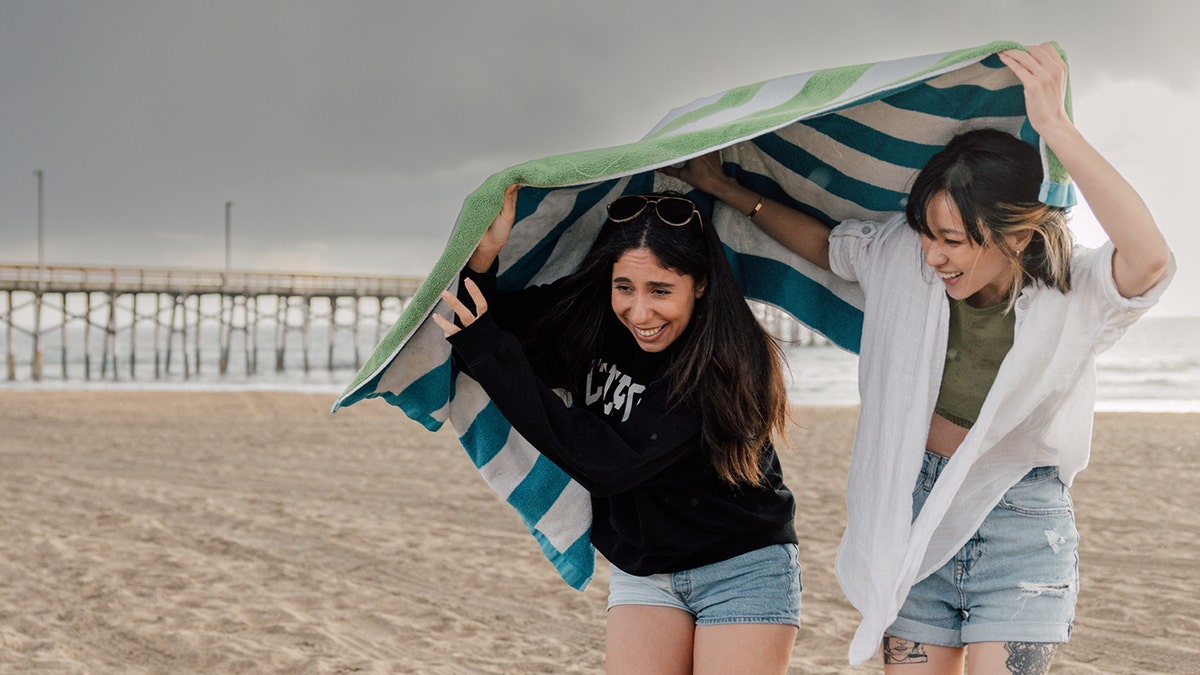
(675, 211)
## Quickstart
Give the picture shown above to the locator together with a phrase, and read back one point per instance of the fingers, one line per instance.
(447, 326)
(1043, 75)
(465, 316)
(1034, 60)
(510, 198)
(709, 162)
(508, 209)
(481, 305)
(1020, 63)
(1046, 53)
(700, 172)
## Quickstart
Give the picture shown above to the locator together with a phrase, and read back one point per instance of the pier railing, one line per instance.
(82, 279)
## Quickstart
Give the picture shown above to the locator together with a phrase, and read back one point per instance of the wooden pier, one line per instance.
(139, 322)
(116, 308)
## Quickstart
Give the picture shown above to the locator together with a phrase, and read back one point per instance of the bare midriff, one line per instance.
(944, 436)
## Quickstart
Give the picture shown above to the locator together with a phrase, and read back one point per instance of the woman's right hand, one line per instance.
(497, 233)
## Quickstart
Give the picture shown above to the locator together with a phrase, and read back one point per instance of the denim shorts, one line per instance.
(762, 586)
(1015, 580)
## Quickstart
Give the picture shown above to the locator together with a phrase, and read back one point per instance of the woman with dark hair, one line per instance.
(646, 378)
(977, 382)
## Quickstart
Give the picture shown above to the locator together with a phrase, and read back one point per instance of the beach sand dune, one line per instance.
(152, 532)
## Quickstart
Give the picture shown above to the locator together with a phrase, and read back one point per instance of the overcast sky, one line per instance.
(347, 134)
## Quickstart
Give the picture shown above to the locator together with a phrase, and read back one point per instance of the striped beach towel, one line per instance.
(837, 143)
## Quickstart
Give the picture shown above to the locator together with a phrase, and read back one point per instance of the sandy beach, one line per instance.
(151, 532)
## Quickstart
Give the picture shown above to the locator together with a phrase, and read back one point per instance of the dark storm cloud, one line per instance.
(375, 119)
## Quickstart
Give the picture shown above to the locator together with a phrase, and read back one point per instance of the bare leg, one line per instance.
(1011, 658)
(905, 657)
(649, 639)
(744, 648)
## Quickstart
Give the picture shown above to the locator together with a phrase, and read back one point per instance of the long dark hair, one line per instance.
(725, 364)
(994, 179)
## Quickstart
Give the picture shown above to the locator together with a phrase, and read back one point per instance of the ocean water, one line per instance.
(1154, 368)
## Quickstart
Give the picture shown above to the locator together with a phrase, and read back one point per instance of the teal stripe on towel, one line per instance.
(425, 396)
(777, 284)
(871, 141)
(576, 565)
(486, 435)
(537, 493)
(518, 275)
(962, 102)
(833, 181)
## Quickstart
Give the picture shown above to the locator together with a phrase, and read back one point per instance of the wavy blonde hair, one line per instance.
(994, 179)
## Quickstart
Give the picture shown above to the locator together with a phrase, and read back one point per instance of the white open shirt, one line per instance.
(1037, 413)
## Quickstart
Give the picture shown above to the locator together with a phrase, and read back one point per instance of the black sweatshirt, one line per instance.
(658, 505)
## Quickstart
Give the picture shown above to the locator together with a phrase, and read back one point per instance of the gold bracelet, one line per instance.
(757, 207)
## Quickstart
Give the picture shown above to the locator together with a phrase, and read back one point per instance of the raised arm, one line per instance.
(497, 233)
(804, 235)
(1141, 251)
(481, 260)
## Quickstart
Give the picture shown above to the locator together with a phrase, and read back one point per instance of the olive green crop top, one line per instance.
(979, 339)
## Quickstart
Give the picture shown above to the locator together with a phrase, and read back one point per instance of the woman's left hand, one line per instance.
(465, 316)
(703, 173)
(1141, 255)
(1043, 73)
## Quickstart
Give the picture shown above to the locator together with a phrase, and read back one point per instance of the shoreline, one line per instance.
(1116, 405)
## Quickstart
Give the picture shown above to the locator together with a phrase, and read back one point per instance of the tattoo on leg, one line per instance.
(1029, 658)
(900, 651)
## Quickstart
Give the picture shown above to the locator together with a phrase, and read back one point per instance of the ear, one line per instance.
(1020, 241)
(700, 288)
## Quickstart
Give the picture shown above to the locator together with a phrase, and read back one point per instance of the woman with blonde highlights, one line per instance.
(976, 372)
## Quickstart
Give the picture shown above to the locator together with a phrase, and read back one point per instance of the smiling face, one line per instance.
(981, 275)
(653, 302)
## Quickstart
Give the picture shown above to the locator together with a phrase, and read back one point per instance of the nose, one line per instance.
(933, 253)
(639, 309)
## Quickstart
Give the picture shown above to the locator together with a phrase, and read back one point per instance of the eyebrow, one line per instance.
(655, 284)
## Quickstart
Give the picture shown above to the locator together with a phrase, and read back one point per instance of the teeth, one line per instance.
(949, 275)
(648, 333)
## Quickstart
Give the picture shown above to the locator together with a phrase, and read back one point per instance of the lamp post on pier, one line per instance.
(37, 297)
(228, 234)
(40, 239)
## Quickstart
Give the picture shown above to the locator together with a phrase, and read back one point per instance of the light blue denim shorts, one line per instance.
(1015, 580)
(762, 586)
